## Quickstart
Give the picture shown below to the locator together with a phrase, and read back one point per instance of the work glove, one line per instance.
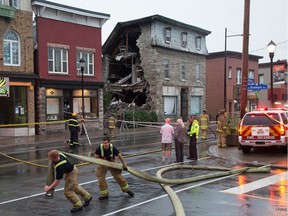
(125, 167)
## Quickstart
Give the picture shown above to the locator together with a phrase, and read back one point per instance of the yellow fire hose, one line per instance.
(179, 210)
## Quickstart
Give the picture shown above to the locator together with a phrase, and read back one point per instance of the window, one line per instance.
(1, 2)
(261, 78)
(184, 39)
(182, 72)
(11, 49)
(168, 35)
(91, 109)
(195, 105)
(89, 65)
(15, 3)
(57, 60)
(166, 69)
(53, 104)
(198, 43)
(251, 78)
(197, 70)
(170, 105)
(238, 76)
(229, 73)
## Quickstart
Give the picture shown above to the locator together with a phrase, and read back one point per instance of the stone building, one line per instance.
(17, 78)
(158, 64)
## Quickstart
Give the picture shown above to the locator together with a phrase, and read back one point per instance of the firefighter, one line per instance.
(70, 173)
(193, 132)
(108, 151)
(222, 127)
(74, 129)
(111, 126)
(204, 124)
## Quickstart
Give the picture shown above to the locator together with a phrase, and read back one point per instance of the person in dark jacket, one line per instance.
(70, 173)
(74, 129)
(180, 138)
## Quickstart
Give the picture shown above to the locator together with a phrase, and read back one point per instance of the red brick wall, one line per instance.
(72, 35)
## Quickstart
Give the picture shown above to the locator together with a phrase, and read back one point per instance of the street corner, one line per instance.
(228, 153)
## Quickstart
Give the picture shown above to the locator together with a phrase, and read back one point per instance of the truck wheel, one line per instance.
(246, 149)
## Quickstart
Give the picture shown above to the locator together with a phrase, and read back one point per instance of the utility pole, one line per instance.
(245, 57)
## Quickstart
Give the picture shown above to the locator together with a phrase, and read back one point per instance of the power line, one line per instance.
(266, 47)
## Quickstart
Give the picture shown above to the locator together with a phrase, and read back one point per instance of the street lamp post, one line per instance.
(271, 47)
(82, 66)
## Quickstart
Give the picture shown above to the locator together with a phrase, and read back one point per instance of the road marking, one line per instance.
(165, 195)
(257, 184)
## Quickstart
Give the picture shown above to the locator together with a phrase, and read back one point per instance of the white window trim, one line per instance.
(87, 71)
(53, 59)
(229, 73)
(172, 106)
(11, 52)
(238, 76)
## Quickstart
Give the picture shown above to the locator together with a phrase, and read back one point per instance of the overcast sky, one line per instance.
(268, 20)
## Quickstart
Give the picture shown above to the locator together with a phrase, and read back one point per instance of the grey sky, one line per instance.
(268, 20)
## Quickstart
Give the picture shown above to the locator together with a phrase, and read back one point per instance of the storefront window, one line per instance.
(54, 104)
(90, 103)
(13, 109)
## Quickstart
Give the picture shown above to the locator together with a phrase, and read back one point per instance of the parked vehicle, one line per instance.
(263, 128)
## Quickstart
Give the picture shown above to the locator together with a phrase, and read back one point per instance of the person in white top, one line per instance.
(167, 132)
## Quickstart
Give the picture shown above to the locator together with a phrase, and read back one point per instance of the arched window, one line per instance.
(11, 48)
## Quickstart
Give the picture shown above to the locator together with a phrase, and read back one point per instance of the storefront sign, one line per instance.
(4, 87)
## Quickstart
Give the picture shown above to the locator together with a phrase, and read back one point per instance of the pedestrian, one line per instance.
(204, 124)
(74, 129)
(222, 127)
(193, 132)
(180, 138)
(111, 126)
(167, 132)
(72, 189)
(107, 151)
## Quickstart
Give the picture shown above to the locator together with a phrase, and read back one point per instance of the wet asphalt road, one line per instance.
(22, 185)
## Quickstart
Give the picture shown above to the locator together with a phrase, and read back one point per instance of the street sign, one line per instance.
(256, 87)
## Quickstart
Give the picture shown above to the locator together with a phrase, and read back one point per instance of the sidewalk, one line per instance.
(62, 138)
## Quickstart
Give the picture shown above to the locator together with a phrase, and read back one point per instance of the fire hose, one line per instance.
(179, 210)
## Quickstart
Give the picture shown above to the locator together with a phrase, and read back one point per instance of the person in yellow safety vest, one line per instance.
(111, 126)
(193, 131)
(204, 124)
(70, 173)
(74, 129)
(109, 152)
(222, 127)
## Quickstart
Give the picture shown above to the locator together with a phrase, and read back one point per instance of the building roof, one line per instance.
(120, 26)
(231, 54)
(69, 9)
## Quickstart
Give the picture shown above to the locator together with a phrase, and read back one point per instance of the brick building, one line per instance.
(215, 82)
(280, 77)
(157, 63)
(17, 76)
(63, 36)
